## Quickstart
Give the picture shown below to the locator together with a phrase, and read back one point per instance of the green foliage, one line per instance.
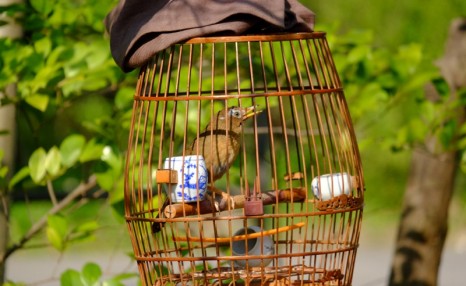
(109, 173)
(383, 86)
(57, 230)
(60, 234)
(392, 25)
(61, 62)
(50, 165)
(71, 148)
(73, 107)
(66, 83)
(91, 275)
(37, 165)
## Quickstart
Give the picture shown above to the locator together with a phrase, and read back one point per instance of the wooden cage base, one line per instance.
(272, 276)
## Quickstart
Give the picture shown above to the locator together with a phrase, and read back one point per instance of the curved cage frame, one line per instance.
(302, 137)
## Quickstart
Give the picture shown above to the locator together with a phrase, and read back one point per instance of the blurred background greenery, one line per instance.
(387, 129)
(67, 83)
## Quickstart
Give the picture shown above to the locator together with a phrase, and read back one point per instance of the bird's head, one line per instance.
(234, 117)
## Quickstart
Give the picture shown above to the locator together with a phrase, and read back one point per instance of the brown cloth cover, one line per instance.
(140, 28)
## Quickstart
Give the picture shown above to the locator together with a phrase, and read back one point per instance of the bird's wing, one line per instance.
(203, 137)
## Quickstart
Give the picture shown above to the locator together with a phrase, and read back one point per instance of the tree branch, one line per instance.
(42, 222)
(51, 192)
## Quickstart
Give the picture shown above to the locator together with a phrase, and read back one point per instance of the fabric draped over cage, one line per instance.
(287, 207)
(139, 28)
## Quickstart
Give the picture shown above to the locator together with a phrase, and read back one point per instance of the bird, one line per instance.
(220, 142)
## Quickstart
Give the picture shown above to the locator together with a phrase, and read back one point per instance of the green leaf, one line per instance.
(18, 177)
(97, 55)
(94, 83)
(407, 59)
(441, 86)
(84, 232)
(38, 101)
(52, 161)
(89, 226)
(44, 7)
(359, 53)
(105, 179)
(124, 98)
(109, 174)
(43, 77)
(57, 230)
(417, 81)
(71, 149)
(58, 54)
(91, 273)
(71, 278)
(43, 46)
(37, 165)
(3, 171)
(447, 133)
(111, 158)
(118, 279)
(55, 240)
(112, 282)
(92, 151)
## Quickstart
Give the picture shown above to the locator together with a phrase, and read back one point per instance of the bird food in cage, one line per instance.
(242, 165)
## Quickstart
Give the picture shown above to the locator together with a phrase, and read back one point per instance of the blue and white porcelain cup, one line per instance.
(333, 185)
(191, 183)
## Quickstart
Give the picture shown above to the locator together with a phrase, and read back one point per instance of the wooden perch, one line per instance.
(226, 202)
(240, 237)
(294, 176)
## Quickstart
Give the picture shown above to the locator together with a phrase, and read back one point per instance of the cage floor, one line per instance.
(275, 276)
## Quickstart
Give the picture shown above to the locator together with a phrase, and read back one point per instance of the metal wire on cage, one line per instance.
(243, 166)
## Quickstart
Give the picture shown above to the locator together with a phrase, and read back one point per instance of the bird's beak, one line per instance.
(251, 111)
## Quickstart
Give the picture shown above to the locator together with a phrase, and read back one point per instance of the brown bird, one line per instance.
(220, 142)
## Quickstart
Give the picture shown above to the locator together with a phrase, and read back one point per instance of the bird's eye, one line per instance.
(235, 113)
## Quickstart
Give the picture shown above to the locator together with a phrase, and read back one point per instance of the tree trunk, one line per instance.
(7, 142)
(423, 224)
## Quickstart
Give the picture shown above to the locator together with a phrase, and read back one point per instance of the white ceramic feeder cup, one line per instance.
(191, 180)
(262, 245)
(329, 186)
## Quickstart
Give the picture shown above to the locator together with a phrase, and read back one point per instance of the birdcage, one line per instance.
(242, 165)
